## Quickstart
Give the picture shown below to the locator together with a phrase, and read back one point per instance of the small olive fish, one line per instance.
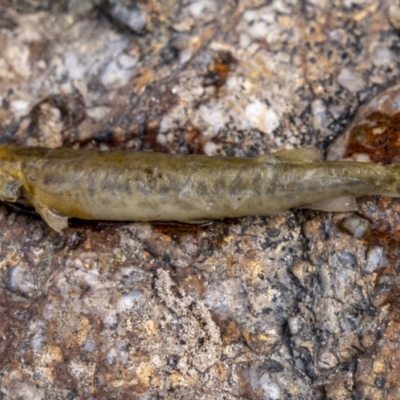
(63, 183)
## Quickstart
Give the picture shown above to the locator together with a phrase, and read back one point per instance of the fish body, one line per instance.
(128, 185)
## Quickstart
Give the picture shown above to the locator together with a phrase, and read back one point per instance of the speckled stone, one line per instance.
(292, 306)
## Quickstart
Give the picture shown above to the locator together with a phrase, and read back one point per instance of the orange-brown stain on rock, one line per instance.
(378, 137)
(385, 229)
(222, 63)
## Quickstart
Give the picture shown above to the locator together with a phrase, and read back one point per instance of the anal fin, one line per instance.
(335, 204)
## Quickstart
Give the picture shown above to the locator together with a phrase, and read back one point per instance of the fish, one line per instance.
(63, 183)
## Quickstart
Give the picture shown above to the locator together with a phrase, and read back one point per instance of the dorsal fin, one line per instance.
(310, 154)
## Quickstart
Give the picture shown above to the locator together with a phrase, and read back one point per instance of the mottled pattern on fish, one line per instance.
(138, 186)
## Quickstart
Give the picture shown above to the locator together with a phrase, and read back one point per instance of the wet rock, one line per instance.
(375, 259)
(129, 15)
(21, 280)
(356, 225)
(82, 7)
(263, 307)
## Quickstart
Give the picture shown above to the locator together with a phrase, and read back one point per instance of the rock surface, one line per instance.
(302, 305)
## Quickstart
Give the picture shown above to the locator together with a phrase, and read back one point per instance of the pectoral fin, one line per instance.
(54, 220)
(336, 204)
